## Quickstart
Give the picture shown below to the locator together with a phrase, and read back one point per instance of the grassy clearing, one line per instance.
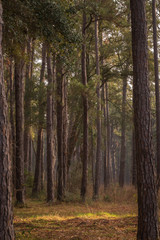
(77, 221)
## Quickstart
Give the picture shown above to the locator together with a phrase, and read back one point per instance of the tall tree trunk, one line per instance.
(65, 134)
(6, 215)
(13, 137)
(156, 86)
(98, 153)
(147, 190)
(123, 137)
(39, 160)
(27, 106)
(50, 148)
(106, 138)
(60, 192)
(85, 112)
(19, 100)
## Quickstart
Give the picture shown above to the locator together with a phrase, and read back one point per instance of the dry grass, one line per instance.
(114, 218)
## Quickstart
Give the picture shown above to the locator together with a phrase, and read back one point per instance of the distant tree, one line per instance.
(123, 134)
(6, 215)
(39, 155)
(146, 182)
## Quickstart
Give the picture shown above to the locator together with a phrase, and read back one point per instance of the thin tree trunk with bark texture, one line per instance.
(50, 148)
(123, 135)
(13, 137)
(27, 106)
(146, 182)
(6, 214)
(106, 138)
(60, 192)
(65, 134)
(98, 153)
(85, 112)
(19, 101)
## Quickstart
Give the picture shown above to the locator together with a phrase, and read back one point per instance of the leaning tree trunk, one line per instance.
(123, 135)
(156, 86)
(6, 215)
(85, 112)
(146, 182)
(39, 160)
(19, 101)
(98, 153)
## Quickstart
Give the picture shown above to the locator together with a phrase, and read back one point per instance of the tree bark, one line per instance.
(60, 190)
(123, 135)
(65, 134)
(147, 190)
(156, 71)
(106, 138)
(134, 170)
(98, 153)
(13, 137)
(27, 106)
(85, 112)
(50, 148)
(19, 101)
(6, 214)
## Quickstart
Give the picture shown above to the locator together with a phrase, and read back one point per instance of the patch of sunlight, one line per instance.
(57, 217)
(103, 214)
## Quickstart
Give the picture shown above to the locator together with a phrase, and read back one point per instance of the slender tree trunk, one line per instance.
(123, 137)
(6, 215)
(147, 190)
(114, 170)
(108, 136)
(13, 138)
(106, 139)
(65, 134)
(156, 86)
(27, 106)
(37, 176)
(85, 112)
(19, 100)
(60, 192)
(50, 148)
(98, 153)
(42, 164)
(30, 156)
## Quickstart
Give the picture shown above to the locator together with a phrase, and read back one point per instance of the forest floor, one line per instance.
(77, 221)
